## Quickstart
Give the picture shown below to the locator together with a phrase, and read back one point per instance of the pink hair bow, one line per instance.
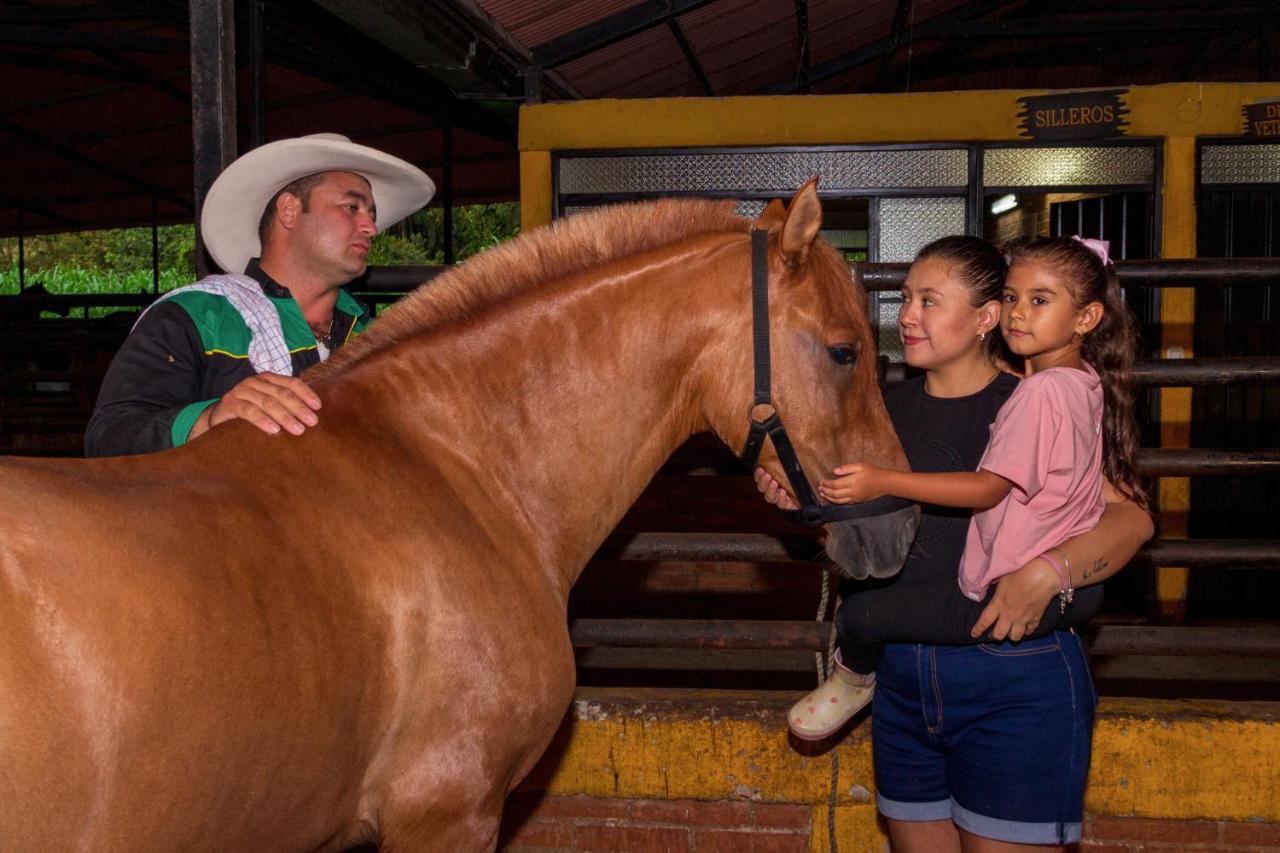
(1101, 248)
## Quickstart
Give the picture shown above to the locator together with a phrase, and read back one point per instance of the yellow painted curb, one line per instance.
(1180, 759)
(1186, 759)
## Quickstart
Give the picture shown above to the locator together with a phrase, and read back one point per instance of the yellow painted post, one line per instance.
(1177, 324)
(535, 189)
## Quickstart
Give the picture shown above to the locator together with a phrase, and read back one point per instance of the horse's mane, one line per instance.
(575, 243)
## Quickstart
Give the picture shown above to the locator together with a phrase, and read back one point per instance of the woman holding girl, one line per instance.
(983, 703)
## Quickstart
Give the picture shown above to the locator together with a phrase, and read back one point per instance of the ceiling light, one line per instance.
(1004, 204)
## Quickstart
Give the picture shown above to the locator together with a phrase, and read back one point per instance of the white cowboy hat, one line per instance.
(234, 205)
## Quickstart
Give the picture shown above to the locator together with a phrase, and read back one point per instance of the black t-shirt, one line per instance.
(923, 602)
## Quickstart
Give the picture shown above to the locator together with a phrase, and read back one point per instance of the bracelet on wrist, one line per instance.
(1067, 593)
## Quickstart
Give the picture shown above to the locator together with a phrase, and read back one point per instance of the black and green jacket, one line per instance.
(185, 353)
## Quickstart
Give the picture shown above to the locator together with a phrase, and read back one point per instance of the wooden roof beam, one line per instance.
(803, 84)
(936, 27)
(610, 30)
(369, 68)
(478, 19)
(27, 207)
(690, 56)
(901, 15)
(1104, 24)
(55, 37)
(79, 159)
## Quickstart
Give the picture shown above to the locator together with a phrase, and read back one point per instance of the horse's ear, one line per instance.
(804, 218)
(772, 217)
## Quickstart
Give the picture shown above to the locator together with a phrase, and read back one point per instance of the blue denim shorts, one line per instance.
(995, 737)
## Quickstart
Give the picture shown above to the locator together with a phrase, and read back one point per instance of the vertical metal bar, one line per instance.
(1231, 224)
(213, 102)
(532, 84)
(1124, 227)
(447, 193)
(22, 254)
(976, 212)
(874, 310)
(155, 248)
(1154, 211)
(1268, 248)
(257, 84)
(873, 230)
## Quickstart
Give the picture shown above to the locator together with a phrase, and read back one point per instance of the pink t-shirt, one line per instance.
(1047, 441)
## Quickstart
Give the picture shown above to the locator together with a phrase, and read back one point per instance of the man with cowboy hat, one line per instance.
(290, 222)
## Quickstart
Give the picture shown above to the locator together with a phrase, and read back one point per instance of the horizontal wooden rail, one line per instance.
(1215, 272)
(1243, 641)
(1192, 462)
(1207, 371)
(711, 547)
(704, 455)
(762, 548)
(395, 279)
(1212, 553)
(1173, 372)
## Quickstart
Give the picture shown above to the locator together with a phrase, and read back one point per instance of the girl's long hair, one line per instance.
(1110, 349)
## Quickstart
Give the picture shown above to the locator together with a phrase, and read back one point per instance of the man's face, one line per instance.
(333, 234)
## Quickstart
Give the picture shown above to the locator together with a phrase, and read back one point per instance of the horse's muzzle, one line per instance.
(873, 547)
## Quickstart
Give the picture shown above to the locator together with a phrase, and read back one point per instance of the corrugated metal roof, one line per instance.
(537, 22)
(95, 116)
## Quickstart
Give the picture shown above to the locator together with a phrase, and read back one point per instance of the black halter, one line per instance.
(811, 512)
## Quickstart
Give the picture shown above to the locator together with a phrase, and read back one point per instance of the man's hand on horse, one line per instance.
(773, 492)
(268, 401)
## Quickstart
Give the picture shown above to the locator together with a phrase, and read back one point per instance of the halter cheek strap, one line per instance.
(766, 422)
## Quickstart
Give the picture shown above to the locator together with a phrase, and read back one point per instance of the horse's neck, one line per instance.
(566, 405)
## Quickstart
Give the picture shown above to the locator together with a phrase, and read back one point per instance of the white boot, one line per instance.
(825, 710)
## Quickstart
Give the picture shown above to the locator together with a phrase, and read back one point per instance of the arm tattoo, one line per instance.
(1098, 565)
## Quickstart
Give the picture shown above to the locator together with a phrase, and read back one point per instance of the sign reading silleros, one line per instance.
(1262, 120)
(1073, 115)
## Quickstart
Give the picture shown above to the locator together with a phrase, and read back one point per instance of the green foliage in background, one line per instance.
(419, 239)
(118, 260)
(114, 260)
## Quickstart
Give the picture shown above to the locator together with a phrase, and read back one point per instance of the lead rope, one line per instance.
(826, 668)
(823, 665)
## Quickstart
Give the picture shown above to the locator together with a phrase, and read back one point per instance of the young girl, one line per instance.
(1040, 480)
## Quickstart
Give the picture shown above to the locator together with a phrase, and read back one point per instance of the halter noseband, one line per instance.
(811, 512)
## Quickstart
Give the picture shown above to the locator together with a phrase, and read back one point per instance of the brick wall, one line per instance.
(540, 824)
(1140, 835)
(532, 823)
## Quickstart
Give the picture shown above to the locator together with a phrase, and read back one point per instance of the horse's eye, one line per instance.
(844, 353)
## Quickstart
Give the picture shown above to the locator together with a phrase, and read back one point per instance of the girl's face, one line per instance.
(1038, 316)
(937, 324)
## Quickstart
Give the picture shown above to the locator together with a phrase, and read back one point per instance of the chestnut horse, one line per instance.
(358, 635)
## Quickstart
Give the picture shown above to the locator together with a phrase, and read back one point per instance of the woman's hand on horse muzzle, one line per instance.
(773, 492)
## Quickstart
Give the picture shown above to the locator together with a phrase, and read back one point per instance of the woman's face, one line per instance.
(937, 324)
